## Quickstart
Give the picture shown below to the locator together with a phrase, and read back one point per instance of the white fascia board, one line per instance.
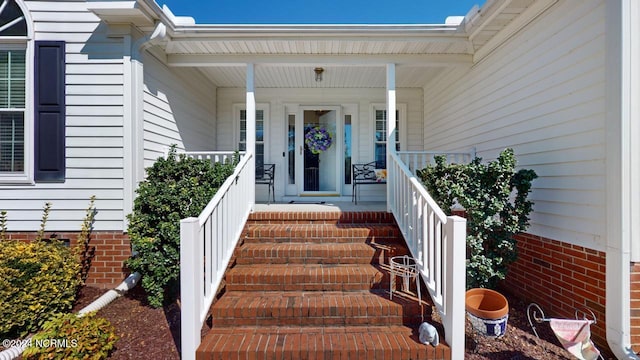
(418, 32)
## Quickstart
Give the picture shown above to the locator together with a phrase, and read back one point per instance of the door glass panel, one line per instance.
(291, 146)
(347, 149)
(320, 157)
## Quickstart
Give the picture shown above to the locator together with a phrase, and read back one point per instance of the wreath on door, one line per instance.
(318, 139)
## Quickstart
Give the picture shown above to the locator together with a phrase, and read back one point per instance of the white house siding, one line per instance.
(94, 153)
(179, 108)
(278, 98)
(543, 94)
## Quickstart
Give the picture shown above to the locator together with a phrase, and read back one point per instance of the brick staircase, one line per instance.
(315, 285)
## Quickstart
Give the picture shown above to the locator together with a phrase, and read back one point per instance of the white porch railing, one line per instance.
(206, 246)
(416, 160)
(438, 243)
(213, 156)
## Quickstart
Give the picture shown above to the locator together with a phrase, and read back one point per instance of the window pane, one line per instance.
(259, 130)
(12, 14)
(381, 156)
(259, 154)
(12, 79)
(11, 142)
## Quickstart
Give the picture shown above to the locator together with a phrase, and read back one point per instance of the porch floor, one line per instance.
(328, 206)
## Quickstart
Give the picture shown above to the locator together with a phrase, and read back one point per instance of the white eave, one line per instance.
(123, 12)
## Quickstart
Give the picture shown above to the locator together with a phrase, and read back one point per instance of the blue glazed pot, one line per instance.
(488, 311)
(489, 327)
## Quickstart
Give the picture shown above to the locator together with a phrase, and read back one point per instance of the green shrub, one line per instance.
(494, 196)
(39, 278)
(67, 336)
(176, 187)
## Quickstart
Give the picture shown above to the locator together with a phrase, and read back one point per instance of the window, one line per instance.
(12, 101)
(14, 122)
(380, 141)
(260, 133)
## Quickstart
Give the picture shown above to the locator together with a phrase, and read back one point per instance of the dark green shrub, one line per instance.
(38, 278)
(176, 187)
(67, 336)
(494, 196)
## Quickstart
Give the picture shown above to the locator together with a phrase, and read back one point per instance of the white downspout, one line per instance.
(619, 165)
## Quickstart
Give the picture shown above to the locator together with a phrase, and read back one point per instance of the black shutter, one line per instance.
(49, 124)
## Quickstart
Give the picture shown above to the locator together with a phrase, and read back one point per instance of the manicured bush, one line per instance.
(176, 187)
(38, 278)
(494, 197)
(68, 336)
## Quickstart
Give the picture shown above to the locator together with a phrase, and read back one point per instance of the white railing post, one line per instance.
(190, 284)
(251, 130)
(391, 129)
(455, 285)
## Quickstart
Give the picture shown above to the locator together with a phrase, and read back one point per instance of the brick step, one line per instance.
(326, 233)
(307, 277)
(323, 217)
(315, 309)
(347, 342)
(314, 253)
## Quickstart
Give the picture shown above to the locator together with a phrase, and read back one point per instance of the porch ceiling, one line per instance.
(291, 76)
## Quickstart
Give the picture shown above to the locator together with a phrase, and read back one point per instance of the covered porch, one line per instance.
(369, 97)
(367, 93)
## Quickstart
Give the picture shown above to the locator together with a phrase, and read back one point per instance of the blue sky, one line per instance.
(320, 12)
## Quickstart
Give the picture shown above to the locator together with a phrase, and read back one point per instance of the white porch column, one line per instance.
(251, 129)
(391, 129)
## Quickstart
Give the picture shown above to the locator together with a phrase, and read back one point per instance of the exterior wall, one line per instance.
(560, 277)
(543, 94)
(361, 100)
(94, 125)
(179, 108)
(108, 252)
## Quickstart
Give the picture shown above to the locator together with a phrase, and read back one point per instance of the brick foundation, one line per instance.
(560, 277)
(635, 306)
(108, 250)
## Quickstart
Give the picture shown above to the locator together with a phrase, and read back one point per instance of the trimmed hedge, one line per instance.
(176, 187)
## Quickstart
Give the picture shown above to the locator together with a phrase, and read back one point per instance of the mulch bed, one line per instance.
(145, 332)
(155, 333)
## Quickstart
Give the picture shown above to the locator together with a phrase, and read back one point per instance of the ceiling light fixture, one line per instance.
(318, 72)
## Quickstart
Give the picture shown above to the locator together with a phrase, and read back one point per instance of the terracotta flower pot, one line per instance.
(488, 311)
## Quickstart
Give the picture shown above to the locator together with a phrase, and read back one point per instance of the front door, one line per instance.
(319, 148)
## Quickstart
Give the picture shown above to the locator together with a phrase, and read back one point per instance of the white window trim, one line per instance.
(16, 43)
(236, 125)
(402, 123)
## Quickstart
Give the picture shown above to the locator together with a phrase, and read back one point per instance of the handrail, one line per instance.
(206, 246)
(437, 242)
(213, 156)
(420, 159)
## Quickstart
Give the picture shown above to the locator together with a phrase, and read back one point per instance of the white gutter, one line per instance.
(620, 69)
(129, 283)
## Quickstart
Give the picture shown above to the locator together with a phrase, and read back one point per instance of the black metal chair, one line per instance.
(364, 174)
(265, 174)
